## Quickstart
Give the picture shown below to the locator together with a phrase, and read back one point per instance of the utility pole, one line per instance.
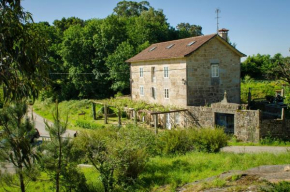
(217, 11)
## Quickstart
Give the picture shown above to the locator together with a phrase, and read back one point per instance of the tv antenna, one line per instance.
(217, 11)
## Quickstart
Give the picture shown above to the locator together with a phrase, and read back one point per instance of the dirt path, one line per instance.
(255, 149)
(40, 125)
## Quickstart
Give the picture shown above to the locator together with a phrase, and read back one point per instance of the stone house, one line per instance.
(194, 71)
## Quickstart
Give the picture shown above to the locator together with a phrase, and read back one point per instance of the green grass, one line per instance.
(178, 170)
(170, 172)
(72, 109)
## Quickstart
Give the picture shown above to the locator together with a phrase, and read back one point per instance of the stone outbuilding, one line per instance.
(194, 71)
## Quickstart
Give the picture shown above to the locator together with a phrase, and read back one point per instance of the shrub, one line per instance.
(283, 186)
(208, 139)
(88, 125)
(174, 141)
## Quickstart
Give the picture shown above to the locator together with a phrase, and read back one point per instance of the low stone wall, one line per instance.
(247, 125)
(277, 128)
(246, 122)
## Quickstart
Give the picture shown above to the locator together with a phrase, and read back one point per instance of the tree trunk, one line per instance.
(21, 179)
(60, 155)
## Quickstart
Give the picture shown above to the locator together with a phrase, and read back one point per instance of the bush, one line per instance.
(208, 139)
(174, 141)
(202, 139)
(88, 125)
(283, 186)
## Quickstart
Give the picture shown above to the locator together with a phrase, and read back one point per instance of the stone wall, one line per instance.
(177, 88)
(277, 128)
(202, 90)
(246, 122)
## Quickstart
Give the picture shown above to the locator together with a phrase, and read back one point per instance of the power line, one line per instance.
(114, 72)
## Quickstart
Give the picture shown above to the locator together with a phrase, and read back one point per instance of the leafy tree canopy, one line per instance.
(131, 8)
(188, 30)
(22, 57)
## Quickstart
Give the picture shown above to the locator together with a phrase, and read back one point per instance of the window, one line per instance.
(168, 47)
(166, 91)
(141, 91)
(215, 70)
(152, 49)
(165, 71)
(141, 71)
(153, 78)
(191, 43)
(153, 92)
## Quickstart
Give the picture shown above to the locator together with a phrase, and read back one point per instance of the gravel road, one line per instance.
(255, 149)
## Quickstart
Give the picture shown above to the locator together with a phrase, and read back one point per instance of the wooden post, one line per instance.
(119, 118)
(135, 117)
(155, 117)
(106, 114)
(94, 111)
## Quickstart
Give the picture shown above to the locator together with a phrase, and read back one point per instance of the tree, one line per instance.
(58, 159)
(119, 70)
(188, 30)
(262, 66)
(16, 141)
(131, 8)
(283, 68)
(22, 58)
(66, 23)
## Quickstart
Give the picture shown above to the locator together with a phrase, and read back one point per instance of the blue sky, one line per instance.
(256, 26)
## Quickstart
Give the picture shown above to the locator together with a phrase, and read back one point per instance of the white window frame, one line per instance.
(153, 74)
(153, 92)
(166, 71)
(141, 92)
(141, 72)
(215, 70)
(166, 93)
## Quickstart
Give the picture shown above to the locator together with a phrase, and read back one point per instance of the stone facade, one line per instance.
(190, 81)
(174, 84)
(202, 89)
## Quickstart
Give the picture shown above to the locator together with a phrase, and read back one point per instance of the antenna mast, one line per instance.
(217, 11)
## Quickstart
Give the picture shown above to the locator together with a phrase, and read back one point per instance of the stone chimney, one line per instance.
(224, 33)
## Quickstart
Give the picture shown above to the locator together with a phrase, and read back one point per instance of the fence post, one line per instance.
(155, 117)
(106, 113)
(94, 111)
(119, 117)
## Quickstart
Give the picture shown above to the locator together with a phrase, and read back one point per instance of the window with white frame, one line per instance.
(215, 70)
(165, 71)
(153, 77)
(153, 92)
(166, 92)
(141, 71)
(141, 91)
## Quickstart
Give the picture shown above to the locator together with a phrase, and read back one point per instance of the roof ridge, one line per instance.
(200, 36)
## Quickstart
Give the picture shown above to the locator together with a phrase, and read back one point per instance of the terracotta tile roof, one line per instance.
(179, 48)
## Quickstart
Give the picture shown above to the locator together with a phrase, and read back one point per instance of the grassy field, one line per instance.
(178, 170)
(165, 173)
(72, 109)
